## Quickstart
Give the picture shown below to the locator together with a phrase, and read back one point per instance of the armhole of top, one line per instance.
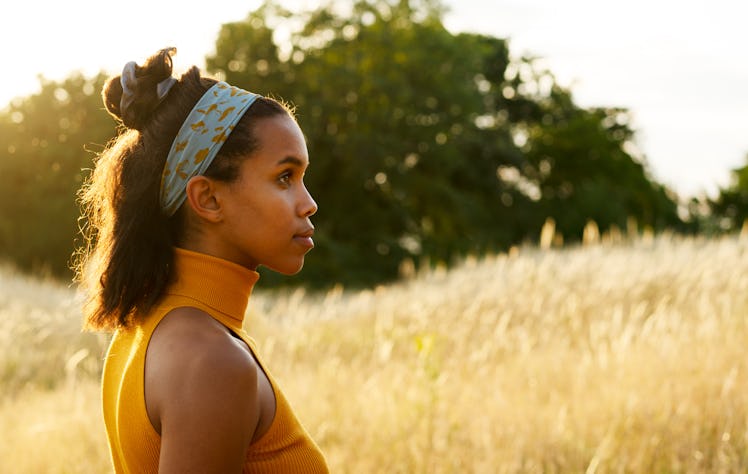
(273, 388)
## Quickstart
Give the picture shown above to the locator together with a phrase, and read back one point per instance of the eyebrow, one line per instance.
(292, 160)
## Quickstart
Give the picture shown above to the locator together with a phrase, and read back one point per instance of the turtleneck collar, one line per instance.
(222, 285)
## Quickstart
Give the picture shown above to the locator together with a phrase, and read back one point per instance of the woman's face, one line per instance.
(266, 210)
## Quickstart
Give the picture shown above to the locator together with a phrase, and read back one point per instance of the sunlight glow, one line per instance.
(655, 60)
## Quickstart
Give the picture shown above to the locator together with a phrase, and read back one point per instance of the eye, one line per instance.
(285, 178)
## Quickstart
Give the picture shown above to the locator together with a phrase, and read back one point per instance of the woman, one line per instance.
(203, 186)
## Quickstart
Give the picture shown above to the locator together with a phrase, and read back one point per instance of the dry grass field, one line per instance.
(606, 358)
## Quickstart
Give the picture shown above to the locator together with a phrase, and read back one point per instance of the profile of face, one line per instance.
(265, 213)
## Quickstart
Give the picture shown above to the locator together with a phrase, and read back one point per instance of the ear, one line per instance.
(201, 196)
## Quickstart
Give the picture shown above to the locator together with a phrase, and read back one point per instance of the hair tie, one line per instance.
(201, 136)
(129, 82)
(129, 85)
(164, 87)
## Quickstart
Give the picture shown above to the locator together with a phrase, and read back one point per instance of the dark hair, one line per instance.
(127, 260)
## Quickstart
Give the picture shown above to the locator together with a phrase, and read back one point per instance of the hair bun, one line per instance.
(132, 96)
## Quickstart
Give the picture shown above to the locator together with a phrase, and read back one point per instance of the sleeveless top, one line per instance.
(221, 289)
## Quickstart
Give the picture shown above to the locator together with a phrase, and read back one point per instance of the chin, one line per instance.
(289, 269)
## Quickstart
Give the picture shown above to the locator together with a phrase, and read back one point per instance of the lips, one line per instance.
(305, 238)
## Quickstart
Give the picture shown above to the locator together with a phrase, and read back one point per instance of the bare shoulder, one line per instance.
(201, 392)
(198, 335)
(189, 343)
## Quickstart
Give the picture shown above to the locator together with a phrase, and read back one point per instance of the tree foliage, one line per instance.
(584, 164)
(43, 158)
(425, 145)
(730, 207)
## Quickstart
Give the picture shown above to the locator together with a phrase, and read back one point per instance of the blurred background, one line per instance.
(437, 128)
(531, 245)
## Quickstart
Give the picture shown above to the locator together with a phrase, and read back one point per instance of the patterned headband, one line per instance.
(200, 138)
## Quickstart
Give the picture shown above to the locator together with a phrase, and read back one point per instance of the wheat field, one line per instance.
(622, 356)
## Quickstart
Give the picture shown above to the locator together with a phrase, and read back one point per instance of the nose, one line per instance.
(307, 205)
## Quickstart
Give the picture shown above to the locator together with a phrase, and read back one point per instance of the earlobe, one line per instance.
(201, 197)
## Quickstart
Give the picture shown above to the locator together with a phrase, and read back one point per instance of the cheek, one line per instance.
(272, 210)
(262, 205)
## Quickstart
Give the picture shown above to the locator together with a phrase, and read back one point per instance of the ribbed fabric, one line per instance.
(221, 289)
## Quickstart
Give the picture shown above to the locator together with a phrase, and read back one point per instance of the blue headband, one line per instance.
(200, 138)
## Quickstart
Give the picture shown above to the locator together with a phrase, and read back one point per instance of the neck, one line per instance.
(203, 242)
(215, 282)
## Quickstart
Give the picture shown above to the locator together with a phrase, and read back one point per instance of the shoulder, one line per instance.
(194, 365)
(201, 388)
(190, 340)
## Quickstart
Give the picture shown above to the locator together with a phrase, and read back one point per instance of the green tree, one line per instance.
(582, 163)
(43, 162)
(730, 208)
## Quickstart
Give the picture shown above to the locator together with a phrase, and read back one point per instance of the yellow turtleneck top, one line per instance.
(221, 289)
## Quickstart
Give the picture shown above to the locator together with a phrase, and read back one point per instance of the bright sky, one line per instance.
(681, 67)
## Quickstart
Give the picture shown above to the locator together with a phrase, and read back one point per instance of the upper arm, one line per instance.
(207, 402)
